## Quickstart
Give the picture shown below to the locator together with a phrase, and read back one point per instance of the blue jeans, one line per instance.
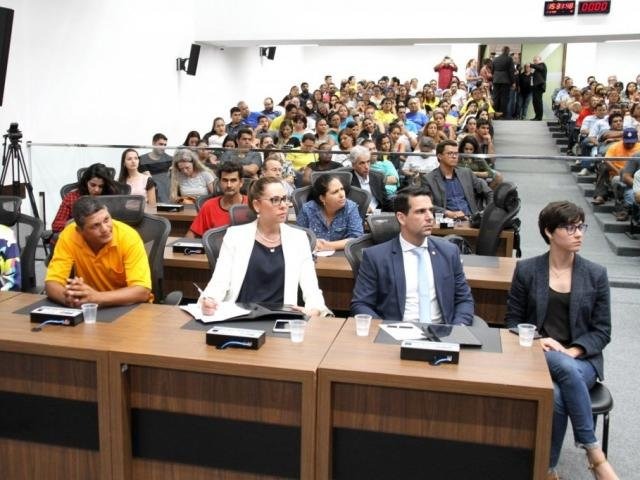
(572, 379)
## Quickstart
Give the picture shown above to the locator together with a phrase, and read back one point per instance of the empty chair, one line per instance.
(28, 231)
(153, 230)
(498, 215)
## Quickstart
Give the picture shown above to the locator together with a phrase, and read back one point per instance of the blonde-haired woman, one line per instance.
(189, 177)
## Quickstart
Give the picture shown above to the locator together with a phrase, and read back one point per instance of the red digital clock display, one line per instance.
(554, 9)
(592, 7)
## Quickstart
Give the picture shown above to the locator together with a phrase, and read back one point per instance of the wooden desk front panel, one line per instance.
(268, 395)
(489, 402)
(234, 408)
(53, 387)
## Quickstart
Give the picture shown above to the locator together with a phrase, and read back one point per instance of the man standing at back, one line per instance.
(98, 260)
(157, 163)
(503, 81)
(414, 276)
(539, 85)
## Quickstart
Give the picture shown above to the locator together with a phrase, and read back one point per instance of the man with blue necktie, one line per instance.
(413, 277)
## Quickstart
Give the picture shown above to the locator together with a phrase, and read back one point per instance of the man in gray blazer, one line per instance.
(456, 191)
(504, 81)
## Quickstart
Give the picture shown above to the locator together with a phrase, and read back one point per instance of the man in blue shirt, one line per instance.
(414, 114)
(456, 191)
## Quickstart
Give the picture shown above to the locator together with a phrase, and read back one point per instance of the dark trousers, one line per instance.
(501, 99)
(537, 92)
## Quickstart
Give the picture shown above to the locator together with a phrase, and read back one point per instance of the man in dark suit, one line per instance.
(363, 177)
(503, 81)
(539, 85)
(413, 277)
(455, 191)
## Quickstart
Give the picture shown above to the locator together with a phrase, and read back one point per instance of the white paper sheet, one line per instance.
(225, 311)
(403, 331)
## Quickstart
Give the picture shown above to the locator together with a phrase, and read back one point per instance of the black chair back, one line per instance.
(212, 242)
(345, 176)
(383, 226)
(27, 230)
(498, 215)
(123, 188)
(353, 251)
(153, 230)
(241, 214)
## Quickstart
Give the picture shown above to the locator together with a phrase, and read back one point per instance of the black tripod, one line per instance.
(13, 160)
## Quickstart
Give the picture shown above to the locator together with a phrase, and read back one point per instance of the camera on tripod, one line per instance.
(14, 132)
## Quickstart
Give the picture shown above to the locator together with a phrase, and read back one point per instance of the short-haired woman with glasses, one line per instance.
(567, 298)
(265, 260)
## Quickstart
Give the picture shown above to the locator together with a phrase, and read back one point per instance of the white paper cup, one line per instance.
(90, 312)
(363, 322)
(526, 332)
(297, 330)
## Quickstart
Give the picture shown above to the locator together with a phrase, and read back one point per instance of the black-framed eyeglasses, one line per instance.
(277, 201)
(572, 228)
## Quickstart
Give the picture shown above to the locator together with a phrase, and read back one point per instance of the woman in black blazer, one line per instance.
(567, 298)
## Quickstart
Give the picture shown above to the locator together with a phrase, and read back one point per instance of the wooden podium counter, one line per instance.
(383, 417)
(183, 409)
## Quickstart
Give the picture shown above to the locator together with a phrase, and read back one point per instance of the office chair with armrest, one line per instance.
(153, 230)
(28, 231)
(601, 404)
(498, 215)
(361, 197)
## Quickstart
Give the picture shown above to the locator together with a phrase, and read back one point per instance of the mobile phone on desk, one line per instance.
(281, 326)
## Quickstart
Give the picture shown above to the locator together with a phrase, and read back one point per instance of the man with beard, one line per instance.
(215, 212)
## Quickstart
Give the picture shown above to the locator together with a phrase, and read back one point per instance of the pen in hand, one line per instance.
(209, 305)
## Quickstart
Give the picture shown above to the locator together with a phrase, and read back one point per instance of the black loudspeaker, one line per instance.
(269, 52)
(192, 66)
(6, 22)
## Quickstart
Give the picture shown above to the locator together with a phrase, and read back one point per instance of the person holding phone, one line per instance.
(567, 298)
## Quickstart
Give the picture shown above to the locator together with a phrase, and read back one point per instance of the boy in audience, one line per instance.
(158, 163)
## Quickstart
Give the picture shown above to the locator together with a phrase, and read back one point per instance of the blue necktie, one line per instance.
(424, 302)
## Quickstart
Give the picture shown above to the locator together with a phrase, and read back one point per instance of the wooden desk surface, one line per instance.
(504, 400)
(186, 215)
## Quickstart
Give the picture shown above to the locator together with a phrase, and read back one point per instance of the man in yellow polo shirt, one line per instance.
(98, 260)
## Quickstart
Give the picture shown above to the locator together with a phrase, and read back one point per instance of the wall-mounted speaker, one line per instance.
(269, 52)
(194, 55)
(190, 65)
(6, 22)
